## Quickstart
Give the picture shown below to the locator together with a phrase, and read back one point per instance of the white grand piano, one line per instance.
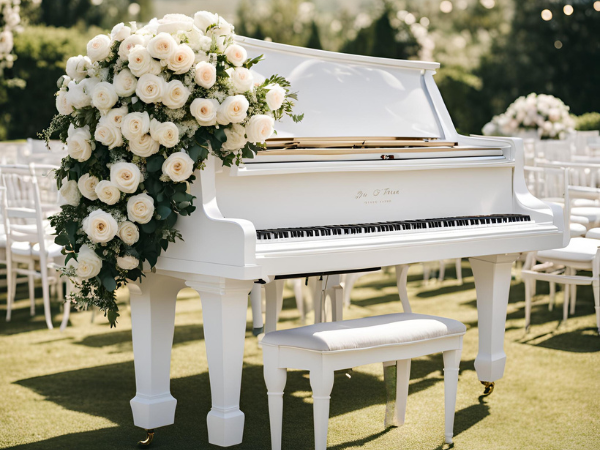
(375, 175)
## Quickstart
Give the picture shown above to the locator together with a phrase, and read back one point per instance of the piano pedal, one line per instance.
(488, 387)
(149, 438)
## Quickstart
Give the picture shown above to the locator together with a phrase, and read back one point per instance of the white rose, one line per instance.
(275, 96)
(140, 208)
(63, 105)
(119, 32)
(233, 109)
(78, 143)
(259, 128)
(108, 134)
(181, 59)
(87, 186)
(104, 96)
(194, 38)
(88, 263)
(236, 138)
(206, 74)
(115, 116)
(108, 192)
(241, 79)
(162, 46)
(77, 96)
(128, 44)
(128, 232)
(77, 67)
(125, 83)
(150, 88)
(88, 85)
(100, 226)
(135, 125)
(204, 43)
(98, 48)
(172, 23)
(126, 176)
(223, 29)
(175, 94)
(178, 167)
(204, 19)
(205, 111)
(127, 262)
(70, 192)
(236, 54)
(141, 62)
(166, 133)
(144, 146)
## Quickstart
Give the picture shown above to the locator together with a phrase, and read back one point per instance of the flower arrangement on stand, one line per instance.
(139, 114)
(545, 114)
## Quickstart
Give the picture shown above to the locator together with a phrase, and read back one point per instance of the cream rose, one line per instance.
(172, 23)
(63, 105)
(104, 96)
(108, 192)
(77, 96)
(205, 111)
(144, 146)
(175, 94)
(236, 54)
(115, 116)
(181, 59)
(88, 263)
(126, 176)
(128, 44)
(128, 232)
(120, 31)
(78, 143)
(127, 262)
(206, 74)
(178, 167)
(241, 79)
(140, 208)
(100, 226)
(233, 110)
(150, 88)
(259, 128)
(275, 96)
(77, 67)
(87, 186)
(125, 83)
(236, 138)
(204, 19)
(166, 133)
(108, 134)
(98, 48)
(69, 192)
(223, 29)
(141, 62)
(162, 46)
(135, 125)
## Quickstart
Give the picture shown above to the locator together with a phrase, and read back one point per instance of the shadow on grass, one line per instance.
(583, 340)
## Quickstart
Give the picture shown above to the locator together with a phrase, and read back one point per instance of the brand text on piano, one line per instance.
(377, 193)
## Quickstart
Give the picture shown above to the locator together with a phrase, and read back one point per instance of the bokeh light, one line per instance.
(558, 44)
(547, 15)
(424, 21)
(597, 6)
(133, 9)
(489, 4)
(568, 10)
(446, 6)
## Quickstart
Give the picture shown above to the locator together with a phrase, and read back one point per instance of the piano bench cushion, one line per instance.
(578, 250)
(590, 212)
(578, 230)
(369, 332)
(594, 233)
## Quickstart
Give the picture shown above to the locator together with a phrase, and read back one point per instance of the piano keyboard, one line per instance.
(363, 229)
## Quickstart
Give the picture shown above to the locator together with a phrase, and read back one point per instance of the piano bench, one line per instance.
(326, 347)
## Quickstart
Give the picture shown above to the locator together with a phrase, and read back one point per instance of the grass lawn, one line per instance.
(71, 390)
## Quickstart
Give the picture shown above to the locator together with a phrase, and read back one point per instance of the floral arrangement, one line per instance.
(139, 114)
(546, 114)
(9, 23)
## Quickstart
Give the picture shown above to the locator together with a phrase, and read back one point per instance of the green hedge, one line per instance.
(27, 102)
(588, 121)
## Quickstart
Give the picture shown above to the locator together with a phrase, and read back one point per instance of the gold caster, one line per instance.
(149, 438)
(489, 387)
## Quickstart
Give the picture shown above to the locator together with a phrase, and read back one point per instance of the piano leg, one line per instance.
(153, 322)
(492, 284)
(224, 305)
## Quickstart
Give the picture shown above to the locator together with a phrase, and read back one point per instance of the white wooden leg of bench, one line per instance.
(451, 363)
(401, 278)
(275, 379)
(403, 374)
(321, 382)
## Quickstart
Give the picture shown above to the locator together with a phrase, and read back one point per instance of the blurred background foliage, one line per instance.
(491, 51)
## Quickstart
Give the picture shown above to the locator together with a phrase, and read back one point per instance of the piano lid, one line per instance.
(349, 95)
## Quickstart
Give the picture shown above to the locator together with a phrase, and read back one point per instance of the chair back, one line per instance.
(40, 154)
(553, 150)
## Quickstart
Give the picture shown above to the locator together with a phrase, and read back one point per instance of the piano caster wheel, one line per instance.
(489, 387)
(149, 438)
(257, 331)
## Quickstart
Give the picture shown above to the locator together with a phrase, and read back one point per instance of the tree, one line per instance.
(314, 40)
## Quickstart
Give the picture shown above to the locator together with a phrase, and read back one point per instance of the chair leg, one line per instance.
(274, 296)
(31, 284)
(46, 293)
(337, 303)
(573, 296)
(66, 315)
(403, 378)
(318, 300)
(256, 303)
(528, 295)
(458, 265)
(451, 363)
(401, 277)
(552, 296)
(297, 283)
(10, 285)
(350, 280)
(426, 273)
(442, 273)
(275, 379)
(321, 383)
(567, 292)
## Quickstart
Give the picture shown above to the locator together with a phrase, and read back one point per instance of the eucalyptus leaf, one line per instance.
(154, 163)
(163, 212)
(109, 283)
(62, 239)
(149, 227)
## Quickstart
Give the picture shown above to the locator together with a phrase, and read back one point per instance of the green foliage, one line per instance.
(314, 40)
(26, 107)
(588, 122)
